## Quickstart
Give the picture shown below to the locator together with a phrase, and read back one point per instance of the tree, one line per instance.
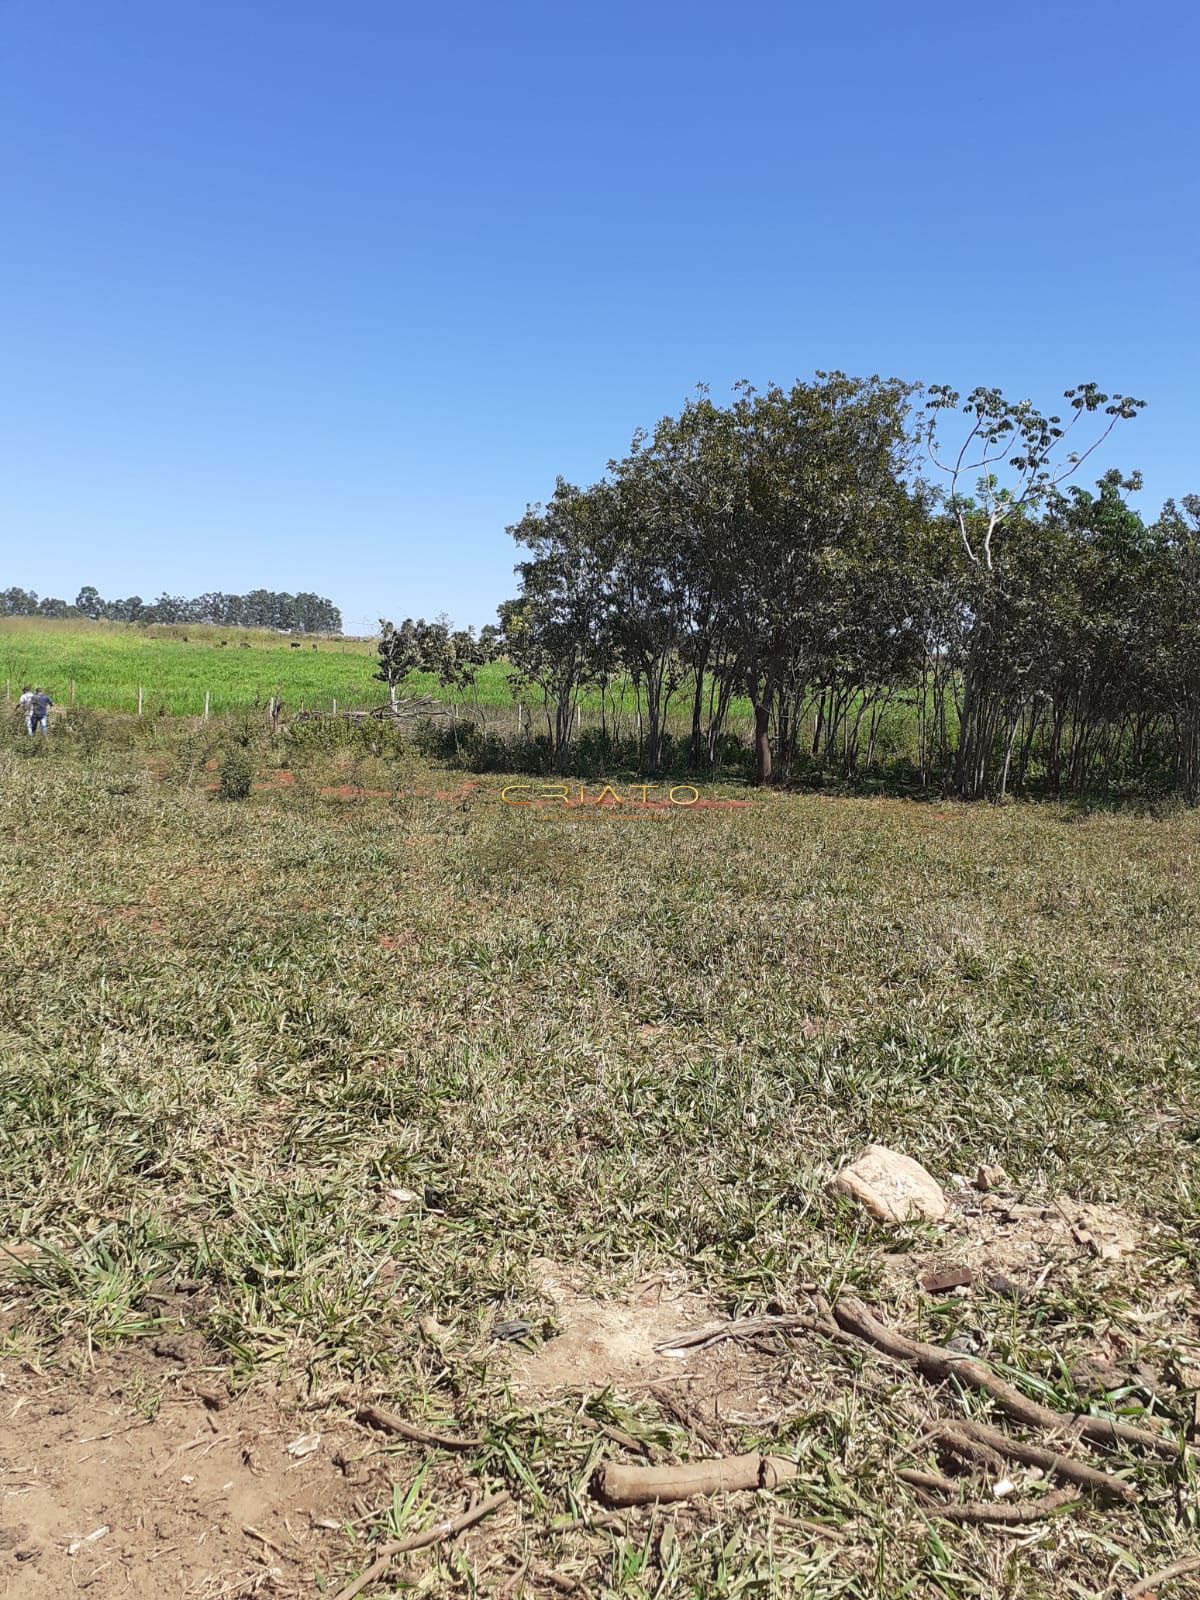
(399, 654)
(787, 476)
(1015, 458)
(558, 633)
(1173, 642)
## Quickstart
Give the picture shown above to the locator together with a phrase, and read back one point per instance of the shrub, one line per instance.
(236, 773)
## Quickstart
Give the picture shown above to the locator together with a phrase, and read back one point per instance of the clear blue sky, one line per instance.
(321, 295)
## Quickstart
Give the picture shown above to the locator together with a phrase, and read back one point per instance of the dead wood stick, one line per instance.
(976, 1441)
(941, 1366)
(253, 1533)
(1012, 1514)
(999, 1511)
(1178, 1569)
(744, 1327)
(562, 1581)
(594, 1519)
(389, 1422)
(931, 1482)
(418, 1541)
(621, 1485)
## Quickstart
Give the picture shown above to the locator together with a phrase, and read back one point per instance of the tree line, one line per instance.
(851, 557)
(261, 608)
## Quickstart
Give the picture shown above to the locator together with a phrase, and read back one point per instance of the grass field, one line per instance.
(369, 1049)
(174, 667)
(239, 668)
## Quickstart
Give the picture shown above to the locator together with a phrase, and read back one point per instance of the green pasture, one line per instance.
(102, 665)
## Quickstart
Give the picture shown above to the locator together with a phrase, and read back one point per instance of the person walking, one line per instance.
(23, 702)
(38, 715)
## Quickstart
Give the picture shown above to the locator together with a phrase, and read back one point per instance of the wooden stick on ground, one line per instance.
(975, 1441)
(389, 1422)
(1178, 1569)
(1005, 1513)
(418, 1541)
(942, 1366)
(620, 1485)
(745, 1327)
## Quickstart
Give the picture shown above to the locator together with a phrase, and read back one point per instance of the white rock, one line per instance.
(891, 1186)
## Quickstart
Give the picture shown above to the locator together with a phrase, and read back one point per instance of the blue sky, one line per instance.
(320, 296)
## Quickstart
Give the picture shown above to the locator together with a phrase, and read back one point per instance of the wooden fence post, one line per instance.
(72, 691)
(206, 694)
(139, 699)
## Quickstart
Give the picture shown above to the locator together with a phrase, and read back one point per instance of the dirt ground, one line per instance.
(140, 1475)
(200, 1498)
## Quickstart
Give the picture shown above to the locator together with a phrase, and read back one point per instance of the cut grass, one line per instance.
(627, 1044)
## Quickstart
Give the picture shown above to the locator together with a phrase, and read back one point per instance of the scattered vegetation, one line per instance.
(236, 773)
(349, 1066)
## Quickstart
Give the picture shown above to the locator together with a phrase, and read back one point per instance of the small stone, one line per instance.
(939, 1279)
(989, 1178)
(514, 1328)
(1095, 1376)
(964, 1344)
(999, 1284)
(1023, 1213)
(892, 1186)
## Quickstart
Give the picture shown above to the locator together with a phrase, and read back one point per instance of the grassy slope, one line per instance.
(108, 662)
(619, 1042)
(174, 666)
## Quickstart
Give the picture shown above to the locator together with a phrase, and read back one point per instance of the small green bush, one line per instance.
(236, 773)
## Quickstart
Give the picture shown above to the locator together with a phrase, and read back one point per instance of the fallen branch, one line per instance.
(1004, 1513)
(975, 1441)
(942, 1365)
(746, 1327)
(620, 1485)
(1178, 1569)
(418, 1541)
(389, 1422)
(929, 1482)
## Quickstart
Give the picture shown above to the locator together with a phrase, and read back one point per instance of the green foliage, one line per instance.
(236, 773)
(784, 548)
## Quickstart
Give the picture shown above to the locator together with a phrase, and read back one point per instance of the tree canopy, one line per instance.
(844, 546)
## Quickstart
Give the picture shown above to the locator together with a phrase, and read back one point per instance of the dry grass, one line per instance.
(634, 1047)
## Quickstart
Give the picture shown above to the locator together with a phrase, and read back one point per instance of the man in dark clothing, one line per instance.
(39, 712)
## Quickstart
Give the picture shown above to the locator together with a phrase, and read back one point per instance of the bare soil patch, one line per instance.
(125, 1481)
(613, 1344)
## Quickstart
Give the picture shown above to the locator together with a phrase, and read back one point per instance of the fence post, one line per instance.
(139, 699)
(335, 705)
(72, 691)
(206, 694)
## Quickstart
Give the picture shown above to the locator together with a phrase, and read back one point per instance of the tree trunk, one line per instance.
(762, 739)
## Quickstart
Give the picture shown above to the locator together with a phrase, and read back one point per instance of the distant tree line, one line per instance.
(261, 608)
(848, 555)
